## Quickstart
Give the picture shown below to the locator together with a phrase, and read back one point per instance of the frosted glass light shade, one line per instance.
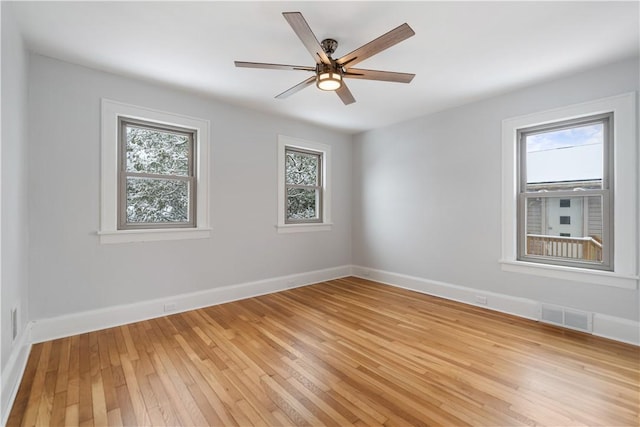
(329, 81)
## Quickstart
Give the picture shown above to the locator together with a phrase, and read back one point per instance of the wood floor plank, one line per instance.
(85, 407)
(19, 409)
(165, 405)
(344, 352)
(46, 399)
(209, 384)
(110, 395)
(98, 400)
(127, 413)
(63, 367)
(58, 409)
(135, 394)
(37, 387)
(173, 387)
(128, 340)
(113, 418)
(71, 415)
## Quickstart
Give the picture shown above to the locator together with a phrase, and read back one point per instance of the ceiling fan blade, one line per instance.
(302, 29)
(296, 88)
(386, 76)
(383, 42)
(345, 94)
(243, 64)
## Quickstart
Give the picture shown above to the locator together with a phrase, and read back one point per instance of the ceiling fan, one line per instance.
(328, 72)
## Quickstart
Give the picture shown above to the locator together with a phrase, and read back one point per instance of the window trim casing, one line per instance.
(605, 192)
(625, 198)
(326, 225)
(108, 232)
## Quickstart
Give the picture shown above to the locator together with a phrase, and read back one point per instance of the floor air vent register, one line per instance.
(566, 317)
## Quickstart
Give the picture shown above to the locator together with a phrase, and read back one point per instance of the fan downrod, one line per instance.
(329, 46)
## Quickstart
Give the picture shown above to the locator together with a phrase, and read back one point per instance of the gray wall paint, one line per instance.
(13, 259)
(427, 194)
(70, 271)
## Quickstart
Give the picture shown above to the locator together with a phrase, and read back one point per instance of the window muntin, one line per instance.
(566, 165)
(303, 186)
(156, 176)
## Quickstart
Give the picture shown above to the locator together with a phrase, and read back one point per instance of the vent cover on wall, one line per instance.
(567, 317)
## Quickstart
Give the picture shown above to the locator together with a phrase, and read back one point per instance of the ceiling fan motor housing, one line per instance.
(329, 46)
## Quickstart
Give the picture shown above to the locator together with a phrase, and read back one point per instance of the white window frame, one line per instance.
(109, 232)
(301, 144)
(625, 175)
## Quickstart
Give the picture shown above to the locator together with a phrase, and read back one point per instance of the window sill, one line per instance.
(302, 228)
(605, 278)
(128, 236)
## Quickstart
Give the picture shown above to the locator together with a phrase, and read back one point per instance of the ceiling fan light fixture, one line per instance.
(329, 72)
(329, 80)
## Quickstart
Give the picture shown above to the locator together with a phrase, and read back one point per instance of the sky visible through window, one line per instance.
(574, 154)
(566, 138)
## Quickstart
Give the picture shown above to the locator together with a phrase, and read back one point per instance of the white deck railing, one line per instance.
(585, 248)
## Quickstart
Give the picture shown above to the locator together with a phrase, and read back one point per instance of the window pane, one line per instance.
(573, 232)
(302, 203)
(157, 200)
(301, 168)
(156, 151)
(565, 159)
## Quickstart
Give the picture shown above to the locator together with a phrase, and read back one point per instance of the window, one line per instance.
(154, 177)
(563, 159)
(157, 179)
(565, 220)
(304, 186)
(531, 197)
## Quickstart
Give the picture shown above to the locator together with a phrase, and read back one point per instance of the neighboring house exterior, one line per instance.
(567, 227)
(568, 217)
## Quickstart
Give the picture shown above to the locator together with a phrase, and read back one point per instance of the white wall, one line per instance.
(13, 209)
(70, 271)
(13, 182)
(427, 195)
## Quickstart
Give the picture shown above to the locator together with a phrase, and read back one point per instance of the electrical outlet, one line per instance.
(14, 323)
(481, 299)
(170, 307)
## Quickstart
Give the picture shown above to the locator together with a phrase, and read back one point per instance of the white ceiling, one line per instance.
(462, 51)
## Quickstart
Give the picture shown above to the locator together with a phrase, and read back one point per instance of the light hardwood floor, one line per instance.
(343, 352)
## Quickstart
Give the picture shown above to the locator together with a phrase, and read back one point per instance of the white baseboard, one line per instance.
(615, 328)
(521, 307)
(93, 320)
(12, 373)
